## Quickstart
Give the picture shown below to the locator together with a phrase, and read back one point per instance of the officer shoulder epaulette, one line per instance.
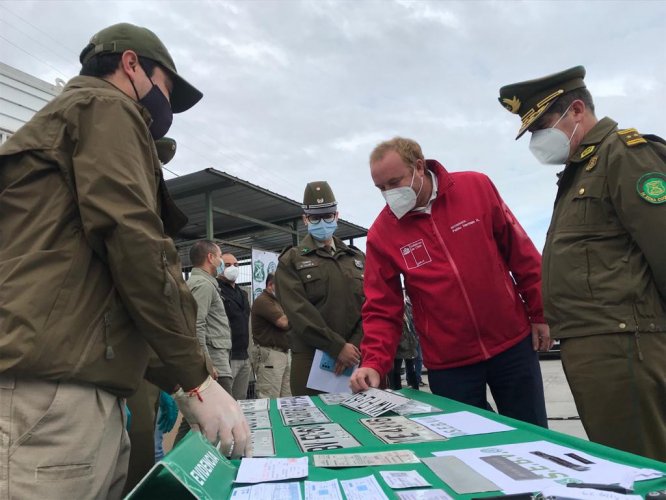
(285, 250)
(630, 137)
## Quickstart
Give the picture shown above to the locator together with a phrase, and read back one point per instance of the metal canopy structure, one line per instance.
(240, 215)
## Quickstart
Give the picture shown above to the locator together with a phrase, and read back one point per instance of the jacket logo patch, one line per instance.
(463, 224)
(415, 254)
(358, 263)
(652, 188)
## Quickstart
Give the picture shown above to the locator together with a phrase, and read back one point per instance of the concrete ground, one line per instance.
(560, 407)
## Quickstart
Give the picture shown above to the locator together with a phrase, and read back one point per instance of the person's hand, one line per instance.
(340, 367)
(349, 356)
(541, 340)
(212, 411)
(364, 378)
(168, 413)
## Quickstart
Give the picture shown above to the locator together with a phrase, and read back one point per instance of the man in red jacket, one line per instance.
(474, 278)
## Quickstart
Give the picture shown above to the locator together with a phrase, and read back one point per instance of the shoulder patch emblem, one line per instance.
(652, 188)
(631, 137)
(587, 152)
(592, 163)
(358, 263)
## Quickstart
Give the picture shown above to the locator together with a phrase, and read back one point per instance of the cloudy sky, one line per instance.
(296, 91)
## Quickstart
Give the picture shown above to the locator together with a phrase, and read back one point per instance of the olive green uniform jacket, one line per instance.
(89, 279)
(321, 294)
(604, 261)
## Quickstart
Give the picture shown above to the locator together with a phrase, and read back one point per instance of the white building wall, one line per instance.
(21, 96)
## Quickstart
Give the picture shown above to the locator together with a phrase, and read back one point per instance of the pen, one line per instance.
(603, 487)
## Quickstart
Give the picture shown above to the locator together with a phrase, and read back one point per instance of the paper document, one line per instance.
(366, 459)
(374, 402)
(335, 398)
(323, 490)
(294, 401)
(258, 420)
(253, 405)
(537, 465)
(272, 491)
(586, 494)
(263, 470)
(398, 479)
(263, 444)
(413, 407)
(363, 488)
(423, 495)
(462, 423)
(321, 378)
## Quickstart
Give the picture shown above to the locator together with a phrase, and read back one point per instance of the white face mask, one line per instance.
(231, 273)
(551, 146)
(402, 199)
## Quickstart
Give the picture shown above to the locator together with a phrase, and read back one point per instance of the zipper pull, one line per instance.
(109, 354)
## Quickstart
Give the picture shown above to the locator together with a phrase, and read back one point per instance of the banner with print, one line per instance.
(262, 263)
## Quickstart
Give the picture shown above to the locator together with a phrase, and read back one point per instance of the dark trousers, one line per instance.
(514, 378)
(395, 381)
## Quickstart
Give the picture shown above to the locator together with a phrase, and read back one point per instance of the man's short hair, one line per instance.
(105, 64)
(270, 277)
(200, 250)
(408, 149)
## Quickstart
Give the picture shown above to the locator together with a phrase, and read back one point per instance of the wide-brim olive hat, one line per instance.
(166, 149)
(532, 98)
(118, 38)
(318, 198)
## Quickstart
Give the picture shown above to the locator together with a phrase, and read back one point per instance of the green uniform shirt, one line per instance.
(604, 262)
(265, 312)
(321, 294)
(90, 281)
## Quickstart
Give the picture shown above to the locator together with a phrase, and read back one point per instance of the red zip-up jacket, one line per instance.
(458, 262)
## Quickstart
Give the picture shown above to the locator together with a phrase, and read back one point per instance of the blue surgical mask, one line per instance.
(322, 230)
(220, 269)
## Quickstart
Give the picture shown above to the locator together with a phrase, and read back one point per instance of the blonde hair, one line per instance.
(408, 149)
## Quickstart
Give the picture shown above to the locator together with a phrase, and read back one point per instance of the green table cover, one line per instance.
(218, 485)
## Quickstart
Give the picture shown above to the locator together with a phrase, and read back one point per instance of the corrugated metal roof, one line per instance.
(250, 203)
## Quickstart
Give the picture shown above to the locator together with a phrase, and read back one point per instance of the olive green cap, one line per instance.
(166, 149)
(319, 198)
(532, 98)
(118, 38)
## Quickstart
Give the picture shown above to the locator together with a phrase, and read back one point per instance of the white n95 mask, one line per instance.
(550, 145)
(402, 199)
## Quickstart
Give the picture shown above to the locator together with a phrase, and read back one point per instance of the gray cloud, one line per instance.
(297, 91)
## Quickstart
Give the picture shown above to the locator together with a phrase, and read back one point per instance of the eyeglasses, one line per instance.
(315, 219)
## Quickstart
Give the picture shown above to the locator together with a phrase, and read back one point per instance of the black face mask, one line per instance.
(159, 108)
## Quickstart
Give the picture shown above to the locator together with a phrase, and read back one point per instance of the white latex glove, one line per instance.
(212, 411)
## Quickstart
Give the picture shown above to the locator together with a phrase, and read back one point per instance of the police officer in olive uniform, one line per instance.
(604, 263)
(320, 287)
